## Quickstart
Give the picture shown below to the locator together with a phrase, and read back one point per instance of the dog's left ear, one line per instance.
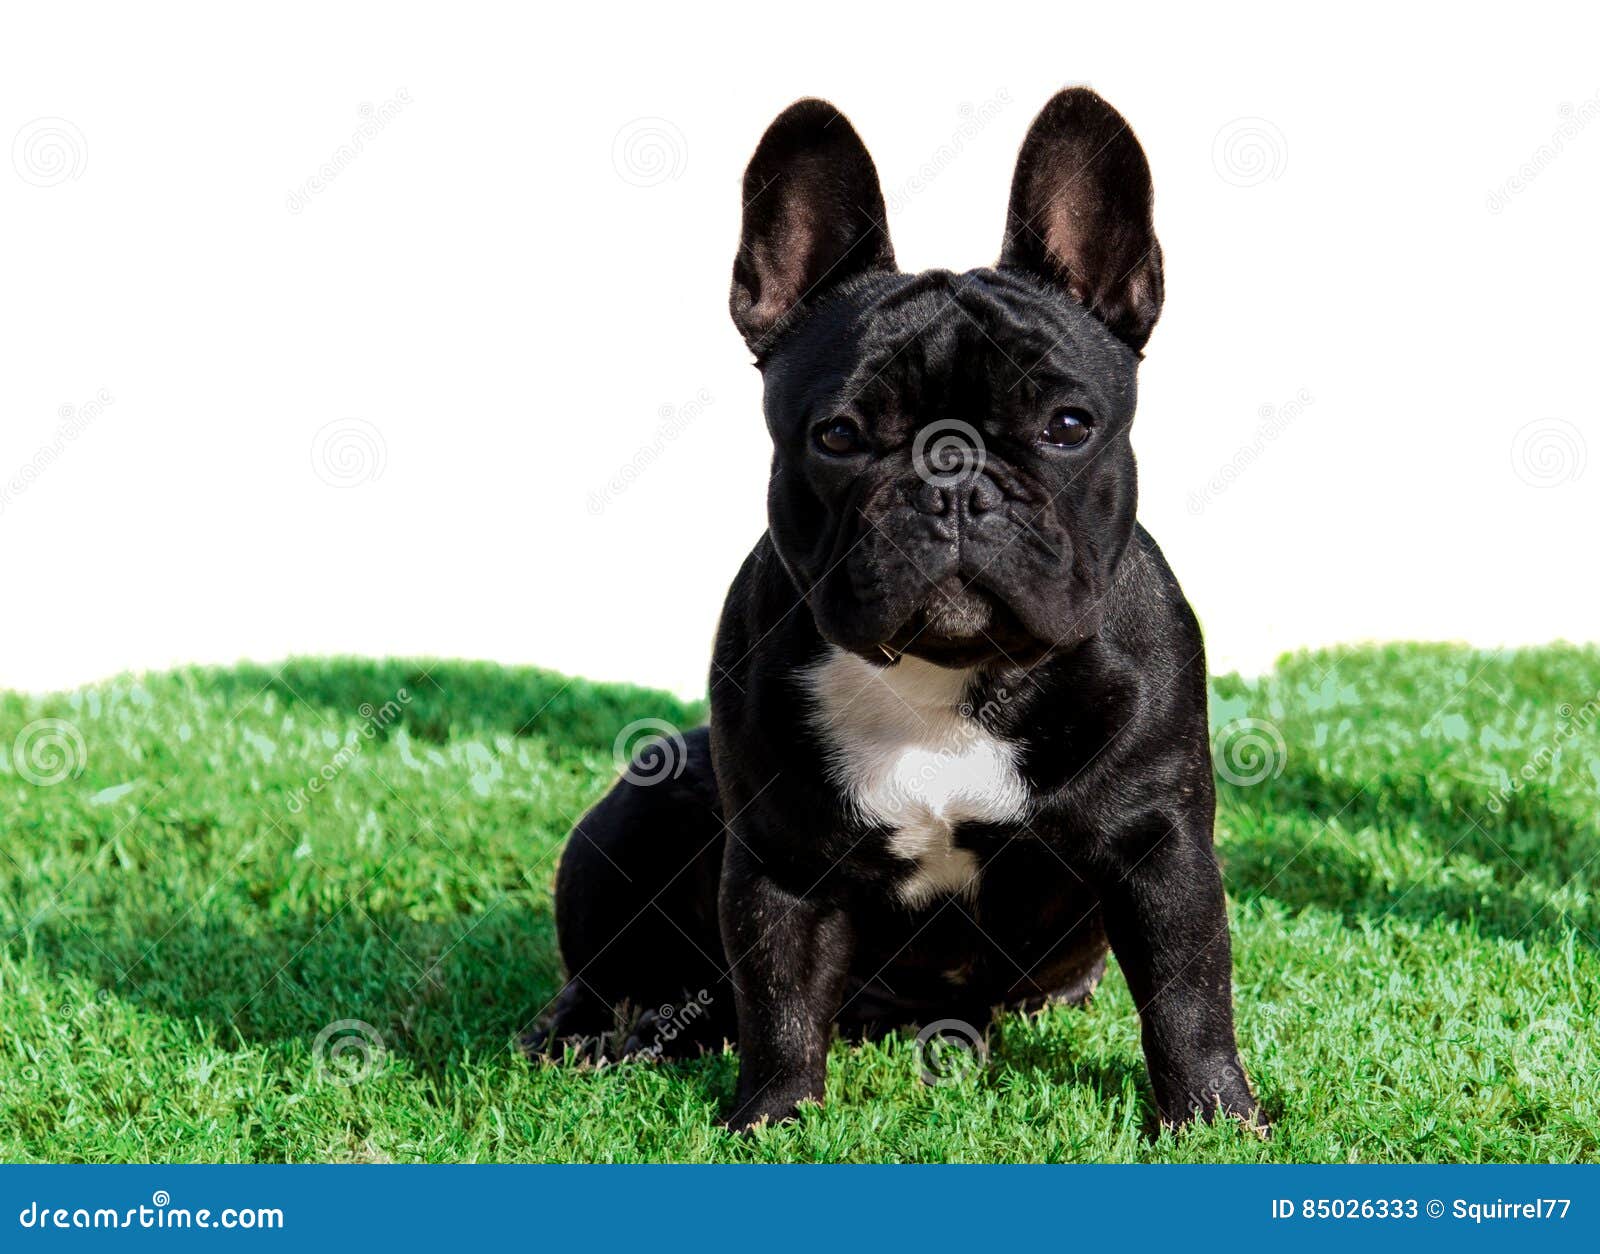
(1080, 214)
(813, 217)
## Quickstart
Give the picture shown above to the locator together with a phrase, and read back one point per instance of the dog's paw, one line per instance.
(1248, 1116)
(576, 1021)
(1208, 1106)
(766, 1109)
(547, 1045)
(1225, 1095)
(746, 1125)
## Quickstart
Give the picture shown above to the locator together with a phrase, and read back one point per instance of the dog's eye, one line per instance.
(839, 436)
(1067, 428)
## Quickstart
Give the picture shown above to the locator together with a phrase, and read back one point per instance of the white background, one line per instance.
(517, 289)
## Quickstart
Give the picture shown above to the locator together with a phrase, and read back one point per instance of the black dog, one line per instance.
(958, 729)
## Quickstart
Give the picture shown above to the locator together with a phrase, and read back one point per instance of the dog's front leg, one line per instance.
(1166, 918)
(789, 957)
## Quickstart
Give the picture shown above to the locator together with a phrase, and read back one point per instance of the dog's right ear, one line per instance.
(813, 217)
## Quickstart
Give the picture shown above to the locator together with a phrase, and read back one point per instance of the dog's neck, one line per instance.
(922, 685)
(908, 752)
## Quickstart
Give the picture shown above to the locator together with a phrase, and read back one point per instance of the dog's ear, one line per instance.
(813, 217)
(1080, 213)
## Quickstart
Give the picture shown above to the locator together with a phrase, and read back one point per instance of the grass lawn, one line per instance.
(182, 914)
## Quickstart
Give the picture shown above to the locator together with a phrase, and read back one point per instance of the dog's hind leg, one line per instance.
(636, 907)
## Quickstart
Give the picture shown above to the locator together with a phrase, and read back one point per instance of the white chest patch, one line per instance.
(909, 755)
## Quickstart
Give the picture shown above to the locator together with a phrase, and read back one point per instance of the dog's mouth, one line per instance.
(963, 625)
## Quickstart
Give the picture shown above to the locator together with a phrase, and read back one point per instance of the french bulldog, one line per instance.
(958, 743)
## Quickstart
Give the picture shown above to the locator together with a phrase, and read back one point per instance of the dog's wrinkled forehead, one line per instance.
(921, 347)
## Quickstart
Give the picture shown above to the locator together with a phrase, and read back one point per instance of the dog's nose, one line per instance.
(931, 499)
(983, 495)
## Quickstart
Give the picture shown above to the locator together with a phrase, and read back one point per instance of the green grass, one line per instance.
(1416, 958)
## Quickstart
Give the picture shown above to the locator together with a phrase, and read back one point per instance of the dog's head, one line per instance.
(952, 475)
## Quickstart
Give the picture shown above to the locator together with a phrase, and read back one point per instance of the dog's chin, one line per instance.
(962, 627)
